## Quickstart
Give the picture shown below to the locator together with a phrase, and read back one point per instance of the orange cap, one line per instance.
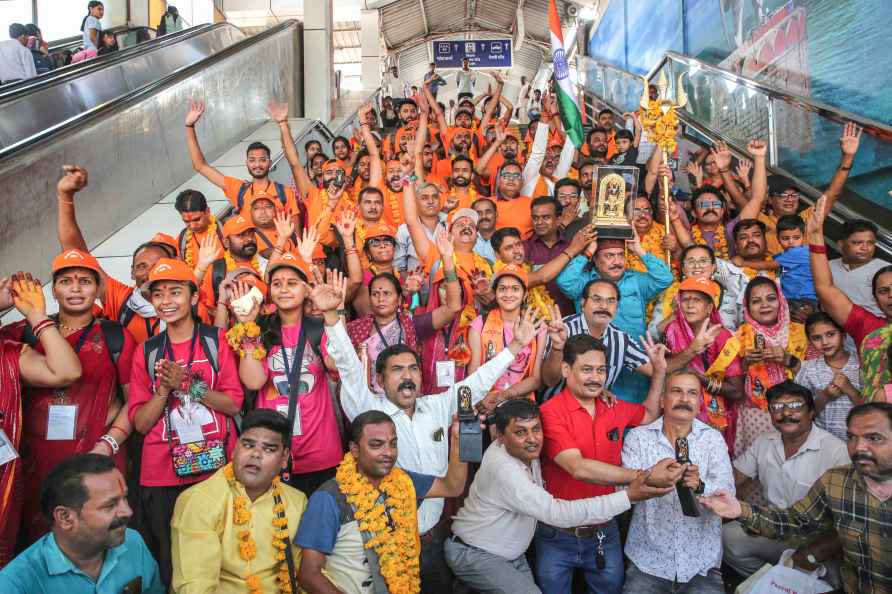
(74, 258)
(511, 270)
(237, 225)
(703, 285)
(379, 230)
(168, 269)
(287, 260)
(165, 241)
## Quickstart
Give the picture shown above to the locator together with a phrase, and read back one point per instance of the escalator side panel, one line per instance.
(137, 153)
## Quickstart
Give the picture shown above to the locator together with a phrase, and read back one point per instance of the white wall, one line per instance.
(14, 11)
(58, 20)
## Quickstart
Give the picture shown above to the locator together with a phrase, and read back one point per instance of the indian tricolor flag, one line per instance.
(566, 96)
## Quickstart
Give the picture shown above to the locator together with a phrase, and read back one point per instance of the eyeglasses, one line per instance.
(511, 175)
(780, 406)
(569, 196)
(381, 241)
(698, 262)
(704, 204)
(788, 195)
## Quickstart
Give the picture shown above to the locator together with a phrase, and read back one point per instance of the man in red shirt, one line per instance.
(583, 457)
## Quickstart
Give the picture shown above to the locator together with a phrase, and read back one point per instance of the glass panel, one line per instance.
(59, 20)
(14, 11)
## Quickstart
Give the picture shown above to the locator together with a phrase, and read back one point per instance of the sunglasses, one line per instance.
(709, 203)
(641, 211)
(511, 175)
(780, 406)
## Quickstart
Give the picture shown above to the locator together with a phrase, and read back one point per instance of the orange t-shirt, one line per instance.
(515, 213)
(465, 264)
(267, 238)
(393, 206)
(316, 206)
(233, 186)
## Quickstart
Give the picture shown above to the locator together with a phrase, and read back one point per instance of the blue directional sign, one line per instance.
(481, 53)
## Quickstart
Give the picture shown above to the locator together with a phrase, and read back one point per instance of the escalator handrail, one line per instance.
(61, 44)
(372, 97)
(840, 213)
(142, 92)
(807, 103)
(21, 89)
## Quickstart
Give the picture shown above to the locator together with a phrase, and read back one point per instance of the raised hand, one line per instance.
(449, 204)
(479, 280)
(239, 290)
(705, 337)
(850, 139)
(196, 110)
(346, 223)
(634, 244)
(284, 225)
(5, 293)
(278, 112)
(815, 223)
(337, 280)
(443, 241)
(696, 170)
(722, 155)
(413, 281)
(744, 166)
(582, 238)
(306, 244)
(656, 352)
(756, 147)
(501, 133)
(73, 180)
(27, 296)
(326, 297)
(497, 77)
(209, 250)
(557, 331)
(526, 328)
(722, 504)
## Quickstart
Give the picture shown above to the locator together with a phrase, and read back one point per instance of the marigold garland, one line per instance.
(660, 128)
(719, 241)
(241, 516)
(393, 525)
(189, 256)
(232, 265)
(241, 331)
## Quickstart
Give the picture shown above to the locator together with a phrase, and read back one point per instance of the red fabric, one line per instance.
(92, 393)
(157, 466)
(860, 323)
(567, 426)
(359, 330)
(10, 473)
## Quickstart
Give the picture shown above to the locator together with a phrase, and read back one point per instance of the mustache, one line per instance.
(601, 312)
(752, 244)
(790, 420)
(406, 385)
(683, 406)
(593, 385)
(863, 456)
(118, 523)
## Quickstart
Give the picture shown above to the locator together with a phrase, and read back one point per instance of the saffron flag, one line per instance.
(566, 95)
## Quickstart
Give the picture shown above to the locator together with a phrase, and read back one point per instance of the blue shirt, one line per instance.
(795, 276)
(42, 568)
(91, 23)
(636, 289)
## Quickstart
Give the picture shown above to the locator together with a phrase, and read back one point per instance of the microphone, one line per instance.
(685, 494)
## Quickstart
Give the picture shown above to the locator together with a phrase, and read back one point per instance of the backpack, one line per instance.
(312, 330)
(280, 191)
(127, 315)
(112, 332)
(181, 240)
(208, 337)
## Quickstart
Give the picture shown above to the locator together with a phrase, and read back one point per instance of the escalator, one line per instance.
(802, 134)
(125, 36)
(29, 108)
(133, 143)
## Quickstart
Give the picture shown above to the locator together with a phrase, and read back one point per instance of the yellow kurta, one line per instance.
(205, 541)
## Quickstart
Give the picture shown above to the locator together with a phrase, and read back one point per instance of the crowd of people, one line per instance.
(272, 401)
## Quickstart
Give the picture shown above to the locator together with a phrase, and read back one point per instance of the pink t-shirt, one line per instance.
(157, 465)
(516, 370)
(316, 442)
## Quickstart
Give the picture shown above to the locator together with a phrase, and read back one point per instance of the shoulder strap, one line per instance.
(218, 273)
(209, 338)
(293, 387)
(152, 352)
(126, 315)
(240, 201)
(113, 332)
(28, 335)
(280, 190)
(181, 242)
(314, 334)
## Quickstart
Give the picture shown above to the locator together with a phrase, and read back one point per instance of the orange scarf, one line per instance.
(492, 339)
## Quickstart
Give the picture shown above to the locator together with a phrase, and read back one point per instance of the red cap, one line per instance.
(75, 258)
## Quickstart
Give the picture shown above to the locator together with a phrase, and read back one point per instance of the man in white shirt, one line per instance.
(422, 424)
(787, 462)
(464, 80)
(494, 528)
(669, 551)
(853, 272)
(427, 196)
(16, 62)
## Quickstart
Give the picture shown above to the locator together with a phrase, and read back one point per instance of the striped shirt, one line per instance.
(622, 351)
(839, 499)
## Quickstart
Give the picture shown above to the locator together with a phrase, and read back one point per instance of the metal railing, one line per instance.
(351, 121)
(801, 132)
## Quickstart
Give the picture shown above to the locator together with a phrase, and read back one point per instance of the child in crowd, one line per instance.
(832, 377)
(627, 146)
(795, 269)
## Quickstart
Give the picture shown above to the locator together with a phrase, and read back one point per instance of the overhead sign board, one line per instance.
(481, 53)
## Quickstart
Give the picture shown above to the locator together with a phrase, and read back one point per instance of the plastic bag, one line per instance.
(783, 578)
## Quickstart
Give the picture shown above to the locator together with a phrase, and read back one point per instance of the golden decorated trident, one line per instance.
(661, 124)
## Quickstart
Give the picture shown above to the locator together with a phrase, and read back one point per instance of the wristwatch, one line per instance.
(701, 488)
(811, 559)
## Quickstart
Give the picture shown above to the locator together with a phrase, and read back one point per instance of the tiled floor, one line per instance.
(115, 253)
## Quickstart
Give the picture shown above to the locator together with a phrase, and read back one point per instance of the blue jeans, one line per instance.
(638, 582)
(558, 554)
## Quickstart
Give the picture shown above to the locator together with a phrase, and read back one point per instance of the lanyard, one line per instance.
(83, 337)
(168, 349)
(293, 369)
(381, 335)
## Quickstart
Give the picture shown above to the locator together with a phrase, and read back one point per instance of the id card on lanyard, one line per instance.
(61, 418)
(292, 374)
(187, 430)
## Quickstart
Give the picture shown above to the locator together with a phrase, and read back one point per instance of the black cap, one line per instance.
(777, 184)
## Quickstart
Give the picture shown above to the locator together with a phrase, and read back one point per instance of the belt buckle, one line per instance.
(582, 531)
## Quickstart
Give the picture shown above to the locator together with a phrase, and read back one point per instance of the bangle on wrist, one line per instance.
(817, 249)
(844, 168)
(190, 125)
(112, 443)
